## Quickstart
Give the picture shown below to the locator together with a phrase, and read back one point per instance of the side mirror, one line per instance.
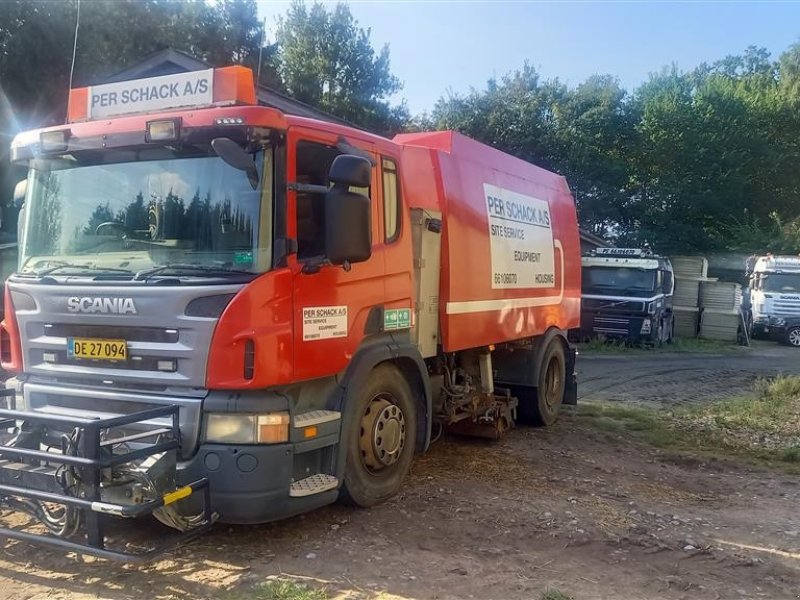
(348, 228)
(19, 202)
(237, 157)
(351, 171)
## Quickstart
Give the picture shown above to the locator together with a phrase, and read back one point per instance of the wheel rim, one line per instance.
(794, 337)
(552, 383)
(383, 433)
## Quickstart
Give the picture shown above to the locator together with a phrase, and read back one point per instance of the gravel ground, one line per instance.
(664, 378)
(570, 507)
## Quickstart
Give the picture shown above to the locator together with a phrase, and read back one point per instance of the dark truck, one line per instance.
(626, 294)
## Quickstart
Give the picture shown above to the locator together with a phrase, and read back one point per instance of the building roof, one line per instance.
(593, 239)
(171, 61)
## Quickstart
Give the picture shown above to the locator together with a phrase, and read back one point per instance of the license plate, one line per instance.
(97, 349)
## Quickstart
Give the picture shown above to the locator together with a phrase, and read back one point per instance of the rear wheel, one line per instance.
(542, 407)
(793, 336)
(380, 450)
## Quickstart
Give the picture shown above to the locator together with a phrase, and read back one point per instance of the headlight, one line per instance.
(231, 428)
(777, 322)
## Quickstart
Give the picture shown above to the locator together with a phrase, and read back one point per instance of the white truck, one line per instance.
(774, 290)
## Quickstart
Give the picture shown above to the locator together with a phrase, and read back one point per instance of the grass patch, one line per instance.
(278, 589)
(554, 594)
(763, 426)
(599, 345)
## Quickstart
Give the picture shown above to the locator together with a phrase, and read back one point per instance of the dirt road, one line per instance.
(681, 378)
(572, 507)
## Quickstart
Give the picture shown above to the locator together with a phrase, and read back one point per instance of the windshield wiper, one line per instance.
(204, 269)
(49, 270)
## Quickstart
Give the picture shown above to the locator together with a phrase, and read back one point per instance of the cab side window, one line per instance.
(391, 200)
(313, 165)
(667, 282)
(314, 162)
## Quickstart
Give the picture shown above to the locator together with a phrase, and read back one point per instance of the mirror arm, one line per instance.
(307, 188)
(315, 266)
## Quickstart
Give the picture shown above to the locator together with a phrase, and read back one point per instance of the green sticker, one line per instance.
(404, 318)
(243, 258)
(397, 318)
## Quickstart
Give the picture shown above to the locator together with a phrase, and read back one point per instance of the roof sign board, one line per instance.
(153, 94)
(195, 89)
(619, 252)
(769, 263)
(619, 262)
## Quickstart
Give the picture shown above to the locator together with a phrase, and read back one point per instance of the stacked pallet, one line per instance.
(721, 302)
(689, 272)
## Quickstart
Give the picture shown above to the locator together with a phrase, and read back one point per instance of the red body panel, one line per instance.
(440, 171)
(472, 312)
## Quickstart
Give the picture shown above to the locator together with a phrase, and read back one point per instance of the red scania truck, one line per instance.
(225, 312)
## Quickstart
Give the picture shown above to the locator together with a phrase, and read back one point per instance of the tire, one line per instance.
(541, 408)
(671, 334)
(792, 337)
(375, 466)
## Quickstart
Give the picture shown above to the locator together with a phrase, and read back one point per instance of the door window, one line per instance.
(391, 200)
(314, 162)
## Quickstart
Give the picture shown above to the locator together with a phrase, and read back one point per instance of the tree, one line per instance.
(582, 133)
(327, 60)
(36, 40)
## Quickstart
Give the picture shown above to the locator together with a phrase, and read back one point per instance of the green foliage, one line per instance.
(328, 61)
(763, 426)
(696, 161)
(554, 594)
(280, 590)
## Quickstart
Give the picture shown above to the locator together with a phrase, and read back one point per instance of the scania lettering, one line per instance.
(627, 295)
(223, 312)
(774, 290)
(120, 306)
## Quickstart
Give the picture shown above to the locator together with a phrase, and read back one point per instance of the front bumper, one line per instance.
(618, 326)
(250, 483)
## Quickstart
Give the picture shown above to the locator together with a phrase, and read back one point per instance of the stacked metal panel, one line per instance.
(689, 272)
(721, 295)
(721, 302)
(690, 266)
(687, 292)
(686, 321)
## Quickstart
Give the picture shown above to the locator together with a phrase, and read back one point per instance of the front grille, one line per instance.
(613, 326)
(129, 334)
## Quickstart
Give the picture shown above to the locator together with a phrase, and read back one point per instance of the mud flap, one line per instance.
(571, 384)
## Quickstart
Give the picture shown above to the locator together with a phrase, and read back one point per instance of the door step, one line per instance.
(315, 484)
(316, 417)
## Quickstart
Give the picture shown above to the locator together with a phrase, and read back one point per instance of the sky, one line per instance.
(438, 48)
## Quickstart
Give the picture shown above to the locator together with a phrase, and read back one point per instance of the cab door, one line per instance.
(332, 305)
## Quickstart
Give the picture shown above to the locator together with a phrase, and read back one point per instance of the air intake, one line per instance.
(249, 359)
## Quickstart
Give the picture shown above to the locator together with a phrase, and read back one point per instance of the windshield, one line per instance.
(781, 283)
(138, 211)
(618, 280)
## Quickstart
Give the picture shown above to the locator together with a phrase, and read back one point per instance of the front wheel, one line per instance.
(793, 336)
(381, 446)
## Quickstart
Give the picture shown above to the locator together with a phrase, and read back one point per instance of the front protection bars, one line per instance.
(30, 476)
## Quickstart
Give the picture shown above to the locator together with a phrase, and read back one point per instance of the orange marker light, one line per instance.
(310, 432)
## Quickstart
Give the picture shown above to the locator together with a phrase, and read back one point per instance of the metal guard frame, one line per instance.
(90, 463)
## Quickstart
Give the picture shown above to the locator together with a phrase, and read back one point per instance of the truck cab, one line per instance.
(626, 294)
(774, 291)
